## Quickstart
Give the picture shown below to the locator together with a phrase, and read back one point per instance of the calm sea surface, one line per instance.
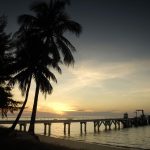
(131, 137)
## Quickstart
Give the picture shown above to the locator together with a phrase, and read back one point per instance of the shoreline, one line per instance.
(24, 140)
(81, 145)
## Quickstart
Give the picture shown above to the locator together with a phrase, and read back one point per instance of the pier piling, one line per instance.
(45, 128)
(82, 123)
(65, 125)
(24, 126)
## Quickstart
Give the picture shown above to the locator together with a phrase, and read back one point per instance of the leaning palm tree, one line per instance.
(24, 81)
(50, 22)
(30, 55)
(21, 75)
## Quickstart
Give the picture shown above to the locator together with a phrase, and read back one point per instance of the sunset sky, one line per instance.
(112, 69)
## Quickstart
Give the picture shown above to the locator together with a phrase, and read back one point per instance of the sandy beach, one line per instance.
(78, 145)
(23, 140)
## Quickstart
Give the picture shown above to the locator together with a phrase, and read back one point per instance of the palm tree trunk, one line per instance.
(23, 106)
(34, 109)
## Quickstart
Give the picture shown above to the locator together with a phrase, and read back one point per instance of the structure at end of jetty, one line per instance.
(138, 120)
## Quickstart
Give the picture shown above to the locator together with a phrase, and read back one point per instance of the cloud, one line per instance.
(92, 86)
(88, 74)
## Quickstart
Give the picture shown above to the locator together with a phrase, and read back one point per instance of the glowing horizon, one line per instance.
(109, 88)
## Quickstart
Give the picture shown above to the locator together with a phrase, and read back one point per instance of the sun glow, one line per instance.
(61, 108)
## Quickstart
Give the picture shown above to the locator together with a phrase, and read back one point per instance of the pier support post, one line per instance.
(109, 126)
(20, 127)
(105, 127)
(49, 128)
(69, 128)
(81, 127)
(105, 124)
(65, 125)
(98, 128)
(95, 125)
(44, 128)
(81, 123)
(115, 124)
(85, 127)
(99, 124)
(23, 126)
(64, 128)
(118, 125)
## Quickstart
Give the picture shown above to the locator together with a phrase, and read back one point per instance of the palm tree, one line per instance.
(24, 84)
(31, 56)
(20, 75)
(49, 23)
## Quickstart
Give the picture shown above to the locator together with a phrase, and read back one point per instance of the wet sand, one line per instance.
(78, 145)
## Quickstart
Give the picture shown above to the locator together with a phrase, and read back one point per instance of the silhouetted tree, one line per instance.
(32, 61)
(6, 101)
(49, 23)
(4, 50)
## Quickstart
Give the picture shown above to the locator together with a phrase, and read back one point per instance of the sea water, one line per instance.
(137, 137)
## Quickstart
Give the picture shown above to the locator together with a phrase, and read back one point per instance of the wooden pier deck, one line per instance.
(116, 122)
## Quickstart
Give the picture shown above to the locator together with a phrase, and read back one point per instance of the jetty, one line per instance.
(117, 123)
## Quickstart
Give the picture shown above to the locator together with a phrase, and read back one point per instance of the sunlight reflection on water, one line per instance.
(129, 137)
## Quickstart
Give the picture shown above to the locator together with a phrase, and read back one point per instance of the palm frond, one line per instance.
(22, 78)
(66, 52)
(72, 27)
(59, 6)
(45, 85)
(68, 43)
(26, 19)
(46, 72)
(54, 50)
(39, 8)
(55, 66)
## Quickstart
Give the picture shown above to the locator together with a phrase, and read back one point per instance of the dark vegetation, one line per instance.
(15, 142)
(30, 54)
(7, 103)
